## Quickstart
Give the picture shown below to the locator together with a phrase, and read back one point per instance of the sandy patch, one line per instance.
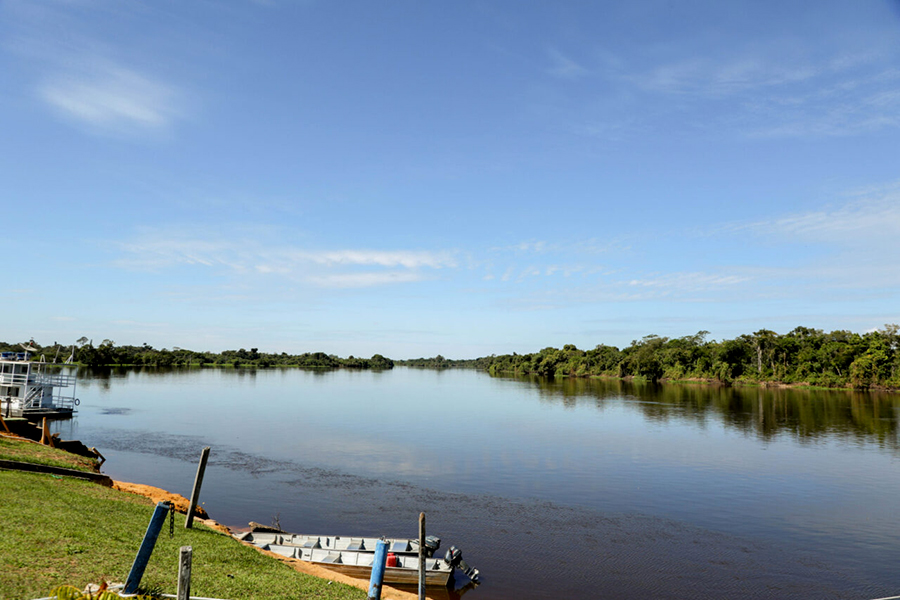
(159, 495)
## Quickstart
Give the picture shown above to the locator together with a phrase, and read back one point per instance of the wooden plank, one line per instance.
(14, 465)
(184, 573)
(195, 493)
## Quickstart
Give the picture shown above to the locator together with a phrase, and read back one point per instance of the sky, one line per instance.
(460, 178)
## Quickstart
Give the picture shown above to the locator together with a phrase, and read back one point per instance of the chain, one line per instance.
(171, 520)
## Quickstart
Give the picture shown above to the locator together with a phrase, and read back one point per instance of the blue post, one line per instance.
(377, 579)
(143, 556)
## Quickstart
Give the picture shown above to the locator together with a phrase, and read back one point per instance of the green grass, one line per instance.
(23, 451)
(57, 531)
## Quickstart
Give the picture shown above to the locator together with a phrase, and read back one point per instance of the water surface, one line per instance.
(566, 488)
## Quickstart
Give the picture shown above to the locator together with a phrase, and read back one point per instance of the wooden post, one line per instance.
(45, 434)
(146, 549)
(195, 493)
(184, 573)
(421, 556)
(2, 422)
(376, 581)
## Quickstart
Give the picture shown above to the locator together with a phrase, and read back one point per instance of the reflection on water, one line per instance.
(553, 488)
(766, 412)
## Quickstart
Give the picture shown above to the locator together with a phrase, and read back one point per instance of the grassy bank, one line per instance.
(15, 449)
(65, 531)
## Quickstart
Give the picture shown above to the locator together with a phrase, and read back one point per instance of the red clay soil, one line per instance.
(159, 495)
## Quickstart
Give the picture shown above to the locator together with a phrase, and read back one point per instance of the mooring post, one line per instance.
(195, 493)
(377, 579)
(143, 555)
(184, 573)
(421, 556)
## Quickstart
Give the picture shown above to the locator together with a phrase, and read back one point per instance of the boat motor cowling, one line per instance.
(455, 559)
(432, 543)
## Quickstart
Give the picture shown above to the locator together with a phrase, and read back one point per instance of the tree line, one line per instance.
(107, 353)
(439, 362)
(802, 356)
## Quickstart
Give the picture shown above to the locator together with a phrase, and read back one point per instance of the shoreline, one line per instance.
(737, 383)
(181, 505)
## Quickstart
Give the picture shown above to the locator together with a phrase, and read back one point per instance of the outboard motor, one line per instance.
(432, 543)
(454, 557)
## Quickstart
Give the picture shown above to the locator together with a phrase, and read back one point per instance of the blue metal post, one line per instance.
(143, 556)
(377, 579)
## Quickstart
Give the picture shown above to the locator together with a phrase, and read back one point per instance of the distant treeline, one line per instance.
(439, 362)
(803, 356)
(108, 354)
(807, 356)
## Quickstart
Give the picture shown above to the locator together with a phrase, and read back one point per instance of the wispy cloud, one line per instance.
(683, 287)
(746, 91)
(100, 83)
(246, 256)
(684, 282)
(849, 249)
(111, 98)
(865, 221)
(355, 280)
(564, 67)
(408, 259)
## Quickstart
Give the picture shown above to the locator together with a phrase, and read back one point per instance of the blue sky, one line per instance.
(463, 178)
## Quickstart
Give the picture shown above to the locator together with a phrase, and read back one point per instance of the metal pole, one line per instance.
(184, 573)
(195, 494)
(143, 555)
(376, 581)
(421, 556)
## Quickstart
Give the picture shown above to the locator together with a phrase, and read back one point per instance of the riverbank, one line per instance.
(706, 381)
(57, 530)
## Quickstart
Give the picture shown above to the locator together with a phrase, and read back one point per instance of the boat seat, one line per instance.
(333, 558)
(356, 544)
(287, 551)
(311, 543)
(400, 546)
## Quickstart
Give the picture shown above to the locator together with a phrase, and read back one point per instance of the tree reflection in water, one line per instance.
(808, 415)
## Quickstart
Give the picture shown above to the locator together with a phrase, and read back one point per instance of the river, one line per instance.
(551, 488)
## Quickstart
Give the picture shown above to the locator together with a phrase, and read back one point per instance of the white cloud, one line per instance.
(873, 219)
(408, 259)
(245, 256)
(757, 93)
(355, 280)
(857, 245)
(110, 97)
(688, 282)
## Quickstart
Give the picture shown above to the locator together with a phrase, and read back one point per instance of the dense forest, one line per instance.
(439, 362)
(108, 354)
(802, 356)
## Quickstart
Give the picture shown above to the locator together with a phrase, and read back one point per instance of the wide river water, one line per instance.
(552, 489)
